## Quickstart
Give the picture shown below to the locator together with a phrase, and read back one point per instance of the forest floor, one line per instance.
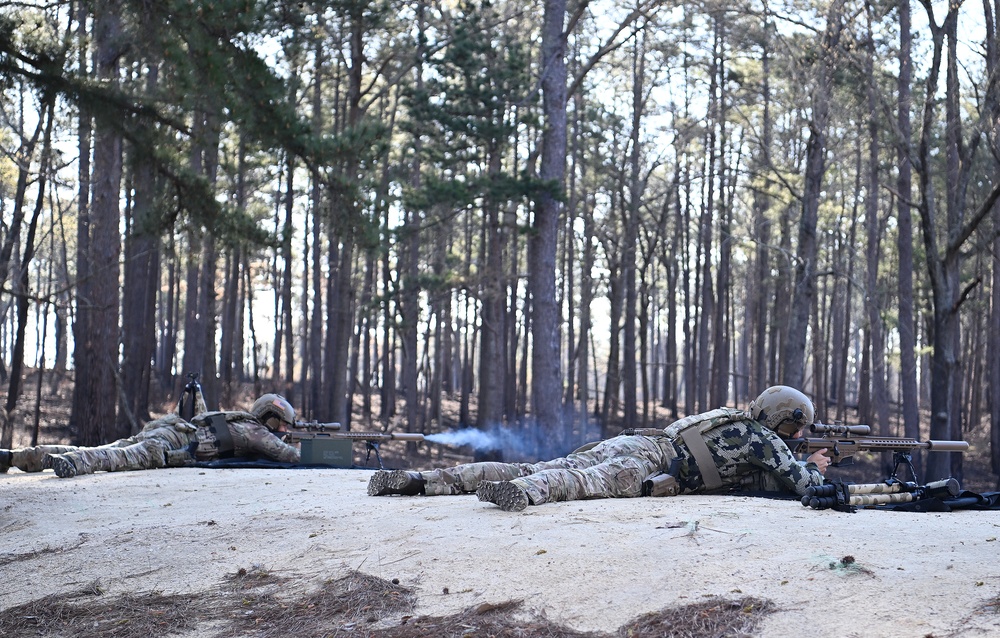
(207, 553)
(212, 553)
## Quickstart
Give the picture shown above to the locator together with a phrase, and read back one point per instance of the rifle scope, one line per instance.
(840, 430)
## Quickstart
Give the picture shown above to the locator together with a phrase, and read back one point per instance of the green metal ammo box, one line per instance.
(327, 451)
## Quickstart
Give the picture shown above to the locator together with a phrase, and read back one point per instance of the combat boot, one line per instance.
(6, 460)
(509, 496)
(386, 482)
(63, 466)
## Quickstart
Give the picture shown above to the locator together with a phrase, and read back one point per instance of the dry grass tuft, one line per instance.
(501, 620)
(993, 605)
(255, 603)
(338, 608)
(256, 576)
(708, 619)
(85, 614)
(8, 558)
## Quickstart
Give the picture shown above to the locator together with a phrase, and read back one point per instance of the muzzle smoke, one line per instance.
(476, 439)
(521, 442)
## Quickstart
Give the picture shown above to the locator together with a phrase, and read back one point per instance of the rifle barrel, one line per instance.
(372, 436)
(948, 446)
(408, 436)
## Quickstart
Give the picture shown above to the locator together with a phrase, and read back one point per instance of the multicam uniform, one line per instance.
(739, 446)
(249, 439)
(159, 440)
(165, 442)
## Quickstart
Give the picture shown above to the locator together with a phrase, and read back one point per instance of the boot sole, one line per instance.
(386, 482)
(509, 497)
(64, 467)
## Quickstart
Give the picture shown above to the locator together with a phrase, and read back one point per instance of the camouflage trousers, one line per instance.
(614, 468)
(162, 442)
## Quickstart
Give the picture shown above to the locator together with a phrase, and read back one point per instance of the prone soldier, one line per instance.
(702, 453)
(171, 441)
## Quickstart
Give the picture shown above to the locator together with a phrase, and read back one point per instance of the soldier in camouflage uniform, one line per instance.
(171, 441)
(733, 445)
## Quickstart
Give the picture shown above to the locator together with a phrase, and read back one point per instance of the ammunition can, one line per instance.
(327, 451)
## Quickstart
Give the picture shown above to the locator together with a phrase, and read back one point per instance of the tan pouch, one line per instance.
(661, 484)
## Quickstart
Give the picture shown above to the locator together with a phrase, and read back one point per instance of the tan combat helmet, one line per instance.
(273, 406)
(782, 409)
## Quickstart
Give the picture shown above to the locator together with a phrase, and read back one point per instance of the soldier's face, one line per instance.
(275, 424)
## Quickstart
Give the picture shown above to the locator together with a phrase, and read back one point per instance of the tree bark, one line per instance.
(758, 283)
(907, 336)
(880, 398)
(546, 377)
(97, 423)
(22, 285)
(994, 360)
(493, 300)
(794, 346)
(142, 280)
(631, 238)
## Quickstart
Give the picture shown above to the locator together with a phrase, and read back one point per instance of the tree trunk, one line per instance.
(994, 360)
(342, 326)
(907, 337)
(586, 322)
(493, 300)
(82, 350)
(993, 327)
(758, 293)
(230, 355)
(22, 287)
(613, 378)
(759, 283)
(314, 360)
(98, 424)
(631, 239)
(671, 365)
(546, 377)
(794, 347)
(718, 381)
(873, 302)
(288, 230)
(169, 304)
(142, 280)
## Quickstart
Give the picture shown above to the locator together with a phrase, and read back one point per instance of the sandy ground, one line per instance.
(589, 565)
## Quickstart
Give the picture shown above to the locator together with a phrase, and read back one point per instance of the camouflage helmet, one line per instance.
(782, 409)
(273, 406)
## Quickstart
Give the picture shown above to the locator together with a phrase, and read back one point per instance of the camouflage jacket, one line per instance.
(742, 448)
(249, 438)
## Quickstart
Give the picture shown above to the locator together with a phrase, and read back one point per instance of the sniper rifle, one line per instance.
(372, 440)
(842, 442)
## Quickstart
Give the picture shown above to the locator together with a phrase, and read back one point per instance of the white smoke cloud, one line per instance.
(476, 439)
(521, 442)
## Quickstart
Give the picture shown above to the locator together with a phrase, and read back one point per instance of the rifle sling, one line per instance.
(703, 458)
(223, 437)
